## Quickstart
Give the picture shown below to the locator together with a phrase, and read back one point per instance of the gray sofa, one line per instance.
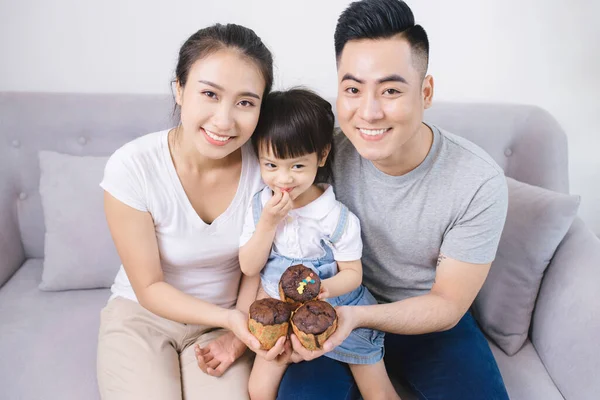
(48, 339)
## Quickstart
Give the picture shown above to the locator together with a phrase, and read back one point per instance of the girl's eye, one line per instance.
(352, 90)
(210, 94)
(246, 103)
(270, 165)
(298, 166)
(391, 91)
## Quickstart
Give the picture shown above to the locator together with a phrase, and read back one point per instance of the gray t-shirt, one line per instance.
(454, 202)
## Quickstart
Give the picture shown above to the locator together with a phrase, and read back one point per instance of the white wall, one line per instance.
(543, 52)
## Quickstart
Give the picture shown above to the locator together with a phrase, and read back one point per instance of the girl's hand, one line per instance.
(276, 209)
(324, 293)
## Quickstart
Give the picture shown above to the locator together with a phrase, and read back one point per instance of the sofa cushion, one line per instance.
(524, 374)
(48, 340)
(78, 249)
(536, 222)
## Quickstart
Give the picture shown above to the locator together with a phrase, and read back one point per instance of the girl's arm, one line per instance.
(348, 278)
(255, 253)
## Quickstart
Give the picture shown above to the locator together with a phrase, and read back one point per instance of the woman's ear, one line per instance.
(178, 93)
(324, 156)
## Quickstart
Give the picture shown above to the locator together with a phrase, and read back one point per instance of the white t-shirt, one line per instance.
(196, 258)
(300, 233)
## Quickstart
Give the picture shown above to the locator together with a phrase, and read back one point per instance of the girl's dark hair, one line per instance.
(230, 36)
(294, 123)
(382, 19)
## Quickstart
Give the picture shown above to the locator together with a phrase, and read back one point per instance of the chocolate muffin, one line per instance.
(299, 284)
(269, 320)
(313, 323)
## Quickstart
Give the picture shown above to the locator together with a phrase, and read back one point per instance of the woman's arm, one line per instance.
(348, 278)
(135, 239)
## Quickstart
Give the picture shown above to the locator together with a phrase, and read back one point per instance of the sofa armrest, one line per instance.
(12, 254)
(566, 320)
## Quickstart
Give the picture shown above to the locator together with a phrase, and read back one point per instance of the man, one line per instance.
(432, 207)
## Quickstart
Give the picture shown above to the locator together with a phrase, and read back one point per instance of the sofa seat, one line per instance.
(56, 332)
(48, 339)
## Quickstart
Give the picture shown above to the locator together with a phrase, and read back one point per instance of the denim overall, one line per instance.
(363, 346)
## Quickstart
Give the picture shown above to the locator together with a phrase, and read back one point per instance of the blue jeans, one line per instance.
(454, 364)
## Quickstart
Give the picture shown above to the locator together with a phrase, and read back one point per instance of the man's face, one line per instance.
(381, 97)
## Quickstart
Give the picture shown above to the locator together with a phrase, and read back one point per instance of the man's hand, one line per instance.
(347, 321)
(218, 355)
(276, 209)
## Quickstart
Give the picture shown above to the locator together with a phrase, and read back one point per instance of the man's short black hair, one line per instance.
(382, 19)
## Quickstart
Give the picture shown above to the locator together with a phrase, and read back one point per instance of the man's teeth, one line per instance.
(215, 137)
(372, 132)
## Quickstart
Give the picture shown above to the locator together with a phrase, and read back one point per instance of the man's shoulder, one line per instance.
(467, 157)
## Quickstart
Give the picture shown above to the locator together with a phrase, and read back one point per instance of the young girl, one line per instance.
(296, 219)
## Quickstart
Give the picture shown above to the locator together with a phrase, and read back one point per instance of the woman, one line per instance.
(174, 201)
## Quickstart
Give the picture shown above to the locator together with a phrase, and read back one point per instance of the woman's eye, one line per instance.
(246, 103)
(352, 90)
(210, 94)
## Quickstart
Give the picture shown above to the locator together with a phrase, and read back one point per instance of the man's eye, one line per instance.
(391, 91)
(352, 90)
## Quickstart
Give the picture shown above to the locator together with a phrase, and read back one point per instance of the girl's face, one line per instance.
(220, 103)
(292, 175)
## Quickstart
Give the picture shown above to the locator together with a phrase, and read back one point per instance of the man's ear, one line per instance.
(324, 156)
(427, 91)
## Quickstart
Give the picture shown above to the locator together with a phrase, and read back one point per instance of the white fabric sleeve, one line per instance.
(249, 227)
(124, 180)
(349, 247)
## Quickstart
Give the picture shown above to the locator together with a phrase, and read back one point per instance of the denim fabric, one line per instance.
(363, 346)
(452, 365)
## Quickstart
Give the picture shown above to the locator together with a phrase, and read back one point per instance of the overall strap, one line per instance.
(341, 224)
(256, 206)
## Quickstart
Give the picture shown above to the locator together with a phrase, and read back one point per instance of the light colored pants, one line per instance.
(144, 356)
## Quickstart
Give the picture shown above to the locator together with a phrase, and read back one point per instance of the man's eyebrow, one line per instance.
(392, 78)
(389, 78)
(249, 94)
(351, 77)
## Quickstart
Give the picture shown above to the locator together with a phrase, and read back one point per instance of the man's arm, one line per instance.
(454, 290)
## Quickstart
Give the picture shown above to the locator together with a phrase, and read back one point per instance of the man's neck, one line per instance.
(411, 154)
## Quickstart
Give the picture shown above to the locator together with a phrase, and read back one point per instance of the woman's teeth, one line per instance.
(217, 137)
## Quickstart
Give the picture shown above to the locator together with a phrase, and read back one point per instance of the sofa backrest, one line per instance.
(526, 141)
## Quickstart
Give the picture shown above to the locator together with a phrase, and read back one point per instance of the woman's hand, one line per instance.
(217, 356)
(238, 324)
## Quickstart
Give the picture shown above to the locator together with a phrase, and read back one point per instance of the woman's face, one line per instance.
(220, 103)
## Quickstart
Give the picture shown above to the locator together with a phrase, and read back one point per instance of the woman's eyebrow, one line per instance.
(209, 83)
